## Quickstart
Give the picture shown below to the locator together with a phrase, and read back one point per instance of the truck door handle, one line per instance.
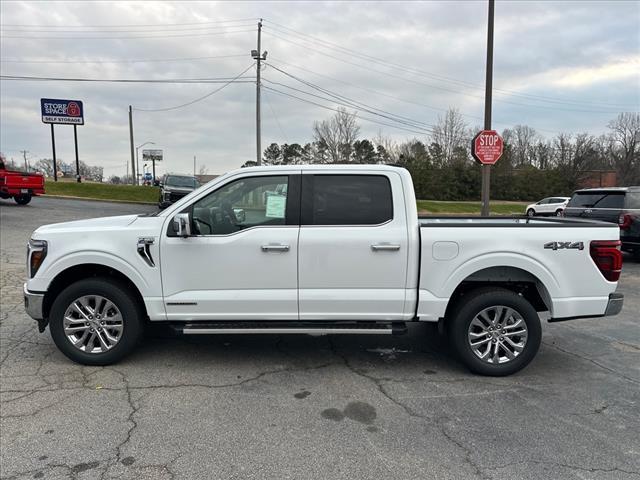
(385, 246)
(275, 248)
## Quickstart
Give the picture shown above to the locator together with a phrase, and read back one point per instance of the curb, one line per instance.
(69, 197)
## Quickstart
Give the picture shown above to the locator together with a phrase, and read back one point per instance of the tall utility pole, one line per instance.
(258, 57)
(486, 169)
(24, 155)
(133, 158)
(194, 165)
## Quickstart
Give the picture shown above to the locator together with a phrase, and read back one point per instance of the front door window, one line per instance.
(244, 203)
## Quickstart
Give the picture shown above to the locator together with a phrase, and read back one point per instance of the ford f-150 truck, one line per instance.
(20, 186)
(341, 250)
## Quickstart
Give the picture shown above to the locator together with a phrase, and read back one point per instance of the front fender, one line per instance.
(44, 278)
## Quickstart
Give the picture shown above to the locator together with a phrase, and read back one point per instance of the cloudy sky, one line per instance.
(558, 66)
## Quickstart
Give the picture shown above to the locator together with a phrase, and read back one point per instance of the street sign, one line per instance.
(487, 147)
(152, 155)
(68, 112)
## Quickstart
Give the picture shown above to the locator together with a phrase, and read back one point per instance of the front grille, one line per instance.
(174, 197)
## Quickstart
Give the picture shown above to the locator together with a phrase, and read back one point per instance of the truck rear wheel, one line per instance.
(96, 321)
(495, 331)
(22, 199)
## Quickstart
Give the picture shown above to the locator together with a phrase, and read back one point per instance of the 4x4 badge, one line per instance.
(564, 246)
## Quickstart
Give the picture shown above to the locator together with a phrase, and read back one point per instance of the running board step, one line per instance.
(282, 328)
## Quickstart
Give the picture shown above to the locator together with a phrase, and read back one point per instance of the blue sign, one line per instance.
(62, 111)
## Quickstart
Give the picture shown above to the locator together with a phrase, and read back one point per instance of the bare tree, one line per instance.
(450, 133)
(337, 135)
(389, 146)
(44, 165)
(522, 140)
(574, 158)
(625, 147)
(542, 154)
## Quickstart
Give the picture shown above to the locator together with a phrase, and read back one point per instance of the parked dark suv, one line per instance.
(618, 205)
(174, 187)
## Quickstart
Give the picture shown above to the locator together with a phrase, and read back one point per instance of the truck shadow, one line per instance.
(422, 350)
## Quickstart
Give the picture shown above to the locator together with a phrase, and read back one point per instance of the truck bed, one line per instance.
(552, 253)
(504, 221)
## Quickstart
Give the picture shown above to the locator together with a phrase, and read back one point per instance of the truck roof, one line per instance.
(330, 166)
(632, 188)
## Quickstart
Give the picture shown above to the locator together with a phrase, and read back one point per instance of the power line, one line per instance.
(266, 97)
(279, 92)
(382, 94)
(414, 124)
(429, 85)
(354, 103)
(163, 30)
(199, 98)
(149, 60)
(130, 25)
(330, 45)
(129, 80)
(377, 92)
(119, 37)
(346, 104)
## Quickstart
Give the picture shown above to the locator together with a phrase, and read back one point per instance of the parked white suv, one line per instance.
(548, 206)
(340, 250)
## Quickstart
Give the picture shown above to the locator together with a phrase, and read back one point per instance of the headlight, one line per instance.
(36, 254)
(167, 195)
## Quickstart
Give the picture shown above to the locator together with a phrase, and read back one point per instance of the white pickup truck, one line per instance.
(318, 250)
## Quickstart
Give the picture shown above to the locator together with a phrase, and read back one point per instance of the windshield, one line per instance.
(178, 181)
(597, 200)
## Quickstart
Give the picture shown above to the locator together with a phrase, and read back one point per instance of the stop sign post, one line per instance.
(486, 148)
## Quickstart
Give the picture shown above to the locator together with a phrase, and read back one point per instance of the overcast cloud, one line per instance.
(582, 57)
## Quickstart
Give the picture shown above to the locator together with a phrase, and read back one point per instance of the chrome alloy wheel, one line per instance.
(497, 334)
(93, 324)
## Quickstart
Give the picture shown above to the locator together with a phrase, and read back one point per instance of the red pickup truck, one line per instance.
(21, 186)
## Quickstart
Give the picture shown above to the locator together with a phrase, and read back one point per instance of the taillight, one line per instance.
(624, 220)
(607, 256)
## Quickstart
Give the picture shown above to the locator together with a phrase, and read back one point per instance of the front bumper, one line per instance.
(33, 303)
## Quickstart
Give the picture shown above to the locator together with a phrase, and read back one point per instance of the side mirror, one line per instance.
(182, 225)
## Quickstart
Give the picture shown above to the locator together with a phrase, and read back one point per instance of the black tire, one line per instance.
(531, 212)
(130, 309)
(22, 199)
(474, 302)
(558, 213)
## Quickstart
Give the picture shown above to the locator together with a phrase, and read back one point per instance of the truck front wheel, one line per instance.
(96, 321)
(495, 331)
(22, 199)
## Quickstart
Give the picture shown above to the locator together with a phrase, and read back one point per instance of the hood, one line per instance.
(92, 224)
(171, 188)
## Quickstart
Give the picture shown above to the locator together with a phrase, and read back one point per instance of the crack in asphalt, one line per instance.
(378, 382)
(596, 363)
(565, 465)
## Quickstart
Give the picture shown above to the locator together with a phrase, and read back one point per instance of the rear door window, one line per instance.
(347, 200)
(597, 200)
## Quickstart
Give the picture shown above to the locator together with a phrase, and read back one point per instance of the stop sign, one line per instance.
(487, 147)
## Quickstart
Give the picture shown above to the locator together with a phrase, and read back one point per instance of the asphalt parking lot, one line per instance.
(310, 407)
